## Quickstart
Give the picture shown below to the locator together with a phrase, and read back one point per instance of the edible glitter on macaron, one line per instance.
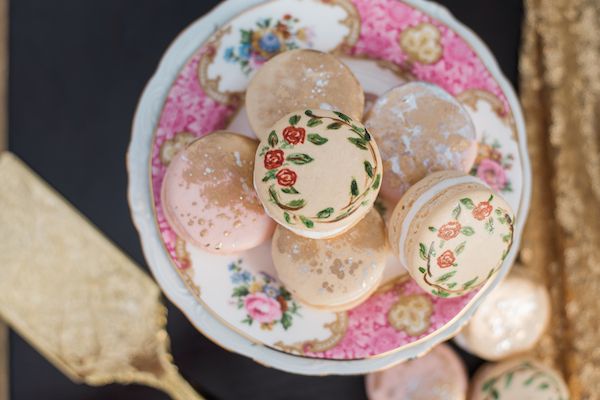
(521, 378)
(438, 375)
(510, 320)
(208, 198)
(332, 274)
(298, 79)
(420, 129)
(451, 232)
(318, 172)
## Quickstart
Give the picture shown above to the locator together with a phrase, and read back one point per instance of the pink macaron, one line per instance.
(438, 375)
(208, 197)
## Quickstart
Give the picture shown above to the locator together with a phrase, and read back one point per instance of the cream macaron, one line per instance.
(317, 173)
(299, 79)
(207, 194)
(420, 128)
(451, 232)
(332, 274)
(518, 379)
(438, 375)
(511, 320)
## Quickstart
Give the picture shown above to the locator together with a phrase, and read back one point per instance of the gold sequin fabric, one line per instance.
(560, 92)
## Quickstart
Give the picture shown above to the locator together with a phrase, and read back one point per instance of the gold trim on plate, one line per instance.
(470, 98)
(337, 329)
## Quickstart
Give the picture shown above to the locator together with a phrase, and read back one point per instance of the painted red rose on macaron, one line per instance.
(294, 135)
(286, 177)
(274, 159)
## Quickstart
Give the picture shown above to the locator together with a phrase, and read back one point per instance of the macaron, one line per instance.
(511, 320)
(420, 129)
(318, 172)
(452, 232)
(300, 79)
(438, 375)
(207, 195)
(332, 274)
(518, 379)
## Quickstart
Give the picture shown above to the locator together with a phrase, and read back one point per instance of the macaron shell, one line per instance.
(420, 129)
(511, 320)
(298, 79)
(332, 274)
(518, 379)
(207, 195)
(458, 232)
(318, 173)
(402, 207)
(438, 375)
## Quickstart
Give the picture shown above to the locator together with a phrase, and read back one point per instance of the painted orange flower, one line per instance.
(482, 210)
(446, 260)
(449, 230)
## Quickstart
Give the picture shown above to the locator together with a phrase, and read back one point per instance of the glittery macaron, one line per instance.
(438, 375)
(317, 173)
(299, 79)
(511, 320)
(420, 129)
(207, 195)
(451, 232)
(518, 379)
(332, 274)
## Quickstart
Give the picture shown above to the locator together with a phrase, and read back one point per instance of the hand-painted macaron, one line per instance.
(420, 129)
(300, 79)
(518, 379)
(318, 172)
(332, 274)
(451, 232)
(511, 320)
(438, 375)
(207, 195)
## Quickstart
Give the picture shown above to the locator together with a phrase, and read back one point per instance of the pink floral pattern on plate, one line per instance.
(370, 331)
(189, 109)
(459, 69)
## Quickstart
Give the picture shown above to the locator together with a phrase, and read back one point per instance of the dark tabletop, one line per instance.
(77, 68)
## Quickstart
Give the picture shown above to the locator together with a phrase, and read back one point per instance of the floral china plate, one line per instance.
(199, 87)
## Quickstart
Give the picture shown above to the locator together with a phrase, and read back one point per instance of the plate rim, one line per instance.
(186, 43)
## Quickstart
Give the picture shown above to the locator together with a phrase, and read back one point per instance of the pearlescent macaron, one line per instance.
(207, 195)
(332, 274)
(438, 375)
(318, 172)
(518, 379)
(420, 129)
(511, 320)
(451, 232)
(299, 79)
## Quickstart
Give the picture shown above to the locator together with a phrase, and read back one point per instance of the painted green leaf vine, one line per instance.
(281, 166)
(484, 211)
